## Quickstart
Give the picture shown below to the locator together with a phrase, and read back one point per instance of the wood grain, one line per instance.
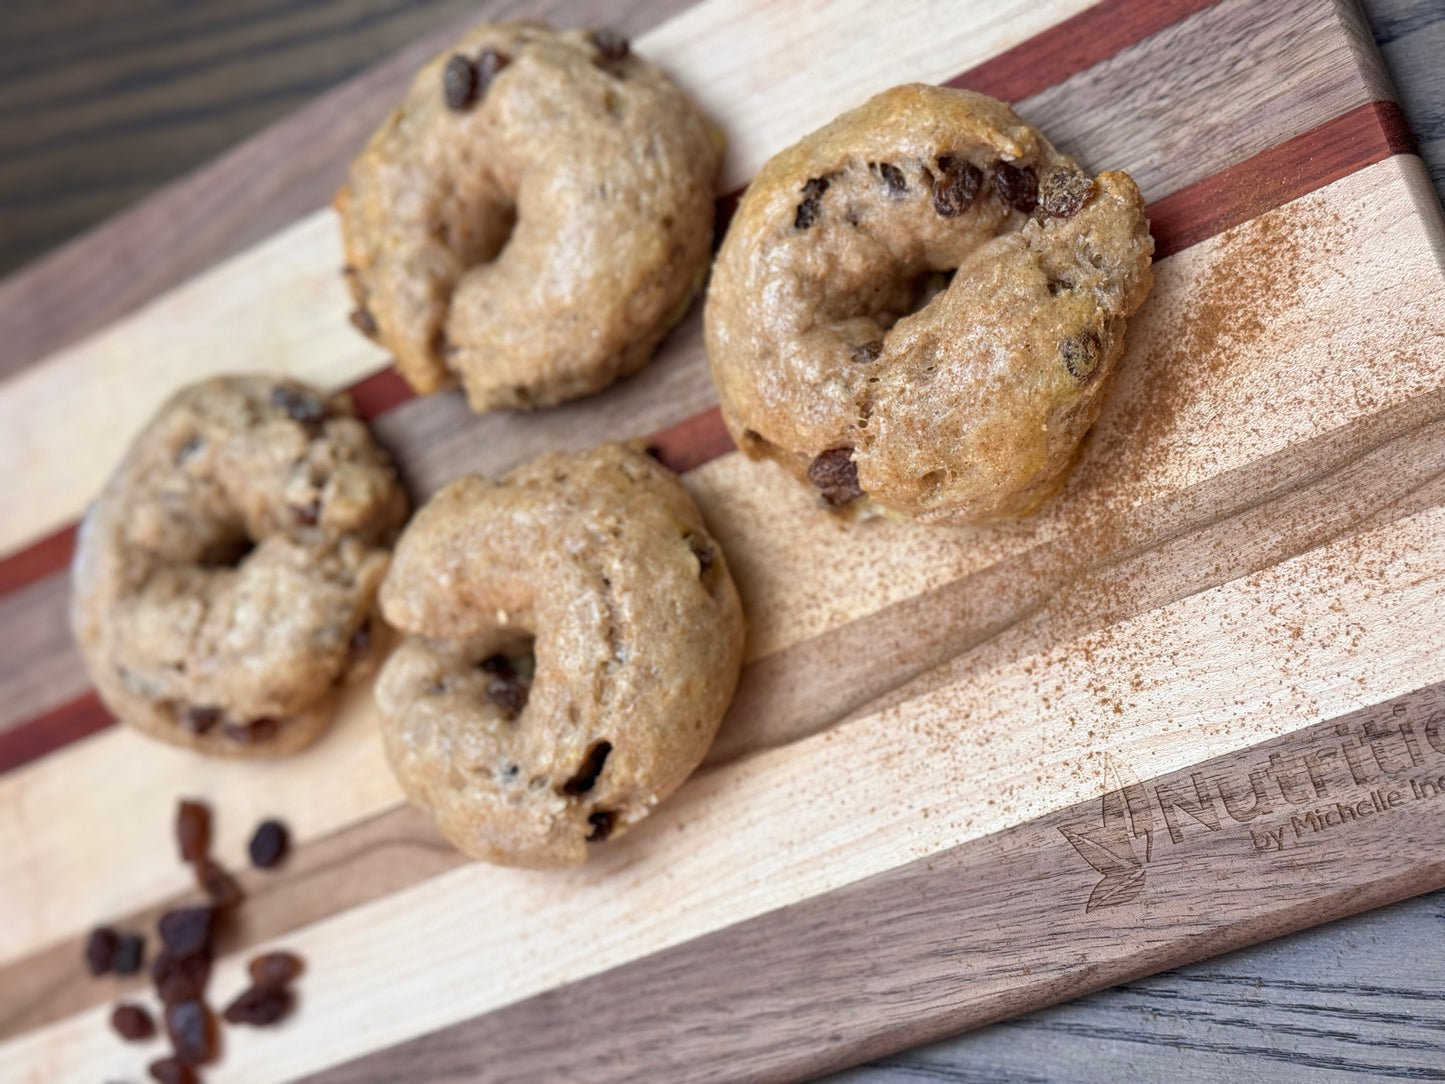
(262, 185)
(969, 770)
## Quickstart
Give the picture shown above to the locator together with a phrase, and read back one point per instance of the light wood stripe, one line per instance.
(968, 768)
(827, 565)
(276, 306)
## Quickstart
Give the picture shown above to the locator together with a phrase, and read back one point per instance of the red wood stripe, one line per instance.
(1074, 45)
(374, 395)
(37, 560)
(57, 728)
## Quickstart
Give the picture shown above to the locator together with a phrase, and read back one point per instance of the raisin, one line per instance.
(612, 45)
(192, 1031)
(489, 65)
(509, 694)
(1016, 187)
(276, 968)
(130, 953)
(309, 515)
(186, 931)
(299, 406)
(1082, 354)
(259, 1006)
(866, 353)
(173, 1071)
(268, 844)
(1063, 192)
(807, 212)
(459, 83)
(199, 719)
(132, 1023)
(100, 950)
(193, 831)
(602, 823)
(180, 978)
(364, 322)
(587, 772)
(836, 475)
(957, 184)
(702, 550)
(360, 642)
(252, 733)
(893, 180)
(218, 885)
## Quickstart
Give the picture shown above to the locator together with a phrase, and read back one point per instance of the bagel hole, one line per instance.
(509, 675)
(585, 777)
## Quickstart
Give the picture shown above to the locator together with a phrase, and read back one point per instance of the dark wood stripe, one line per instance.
(1074, 45)
(57, 728)
(1000, 925)
(1324, 154)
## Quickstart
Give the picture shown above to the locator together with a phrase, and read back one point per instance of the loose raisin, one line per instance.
(252, 733)
(259, 1006)
(1064, 192)
(218, 885)
(585, 778)
(364, 322)
(173, 1071)
(192, 1031)
(180, 978)
(193, 830)
(100, 950)
(276, 968)
(199, 719)
(808, 209)
(489, 65)
(1016, 187)
(702, 550)
(612, 45)
(268, 844)
(602, 823)
(132, 1023)
(459, 83)
(299, 406)
(836, 475)
(1082, 354)
(866, 353)
(893, 180)
(956, 186)
(130, 953)
(186, 931)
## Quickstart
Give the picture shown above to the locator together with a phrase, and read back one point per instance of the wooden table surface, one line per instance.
(102, 102)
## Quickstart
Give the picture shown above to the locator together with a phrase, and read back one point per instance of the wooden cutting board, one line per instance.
(1196, 702)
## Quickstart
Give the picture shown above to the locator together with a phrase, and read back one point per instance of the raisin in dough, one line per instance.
(533, 218)
(841, 350)
(574, 639)
(225, 579)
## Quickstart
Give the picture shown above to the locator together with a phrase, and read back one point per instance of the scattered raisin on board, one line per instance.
(192, 1031)
(260, 1006)
(179, 978)
(132, 1023)
(173, 1071)
(193, 830)
(276, 968)
(100, 950)
(269, 844)
(186, 931)
(130, 952)
(218, 885)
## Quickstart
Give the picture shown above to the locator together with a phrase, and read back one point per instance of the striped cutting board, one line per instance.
(1196, 702)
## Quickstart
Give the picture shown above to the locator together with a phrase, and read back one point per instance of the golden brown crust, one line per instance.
(191, 642)
(595, 573)
(540, 241)
(833, 332)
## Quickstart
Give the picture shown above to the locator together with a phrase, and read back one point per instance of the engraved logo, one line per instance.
(1109, 846)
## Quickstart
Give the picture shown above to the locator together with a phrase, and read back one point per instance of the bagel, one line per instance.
(842, 349)
(533, 218)
(573, 640)
(225, 579)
